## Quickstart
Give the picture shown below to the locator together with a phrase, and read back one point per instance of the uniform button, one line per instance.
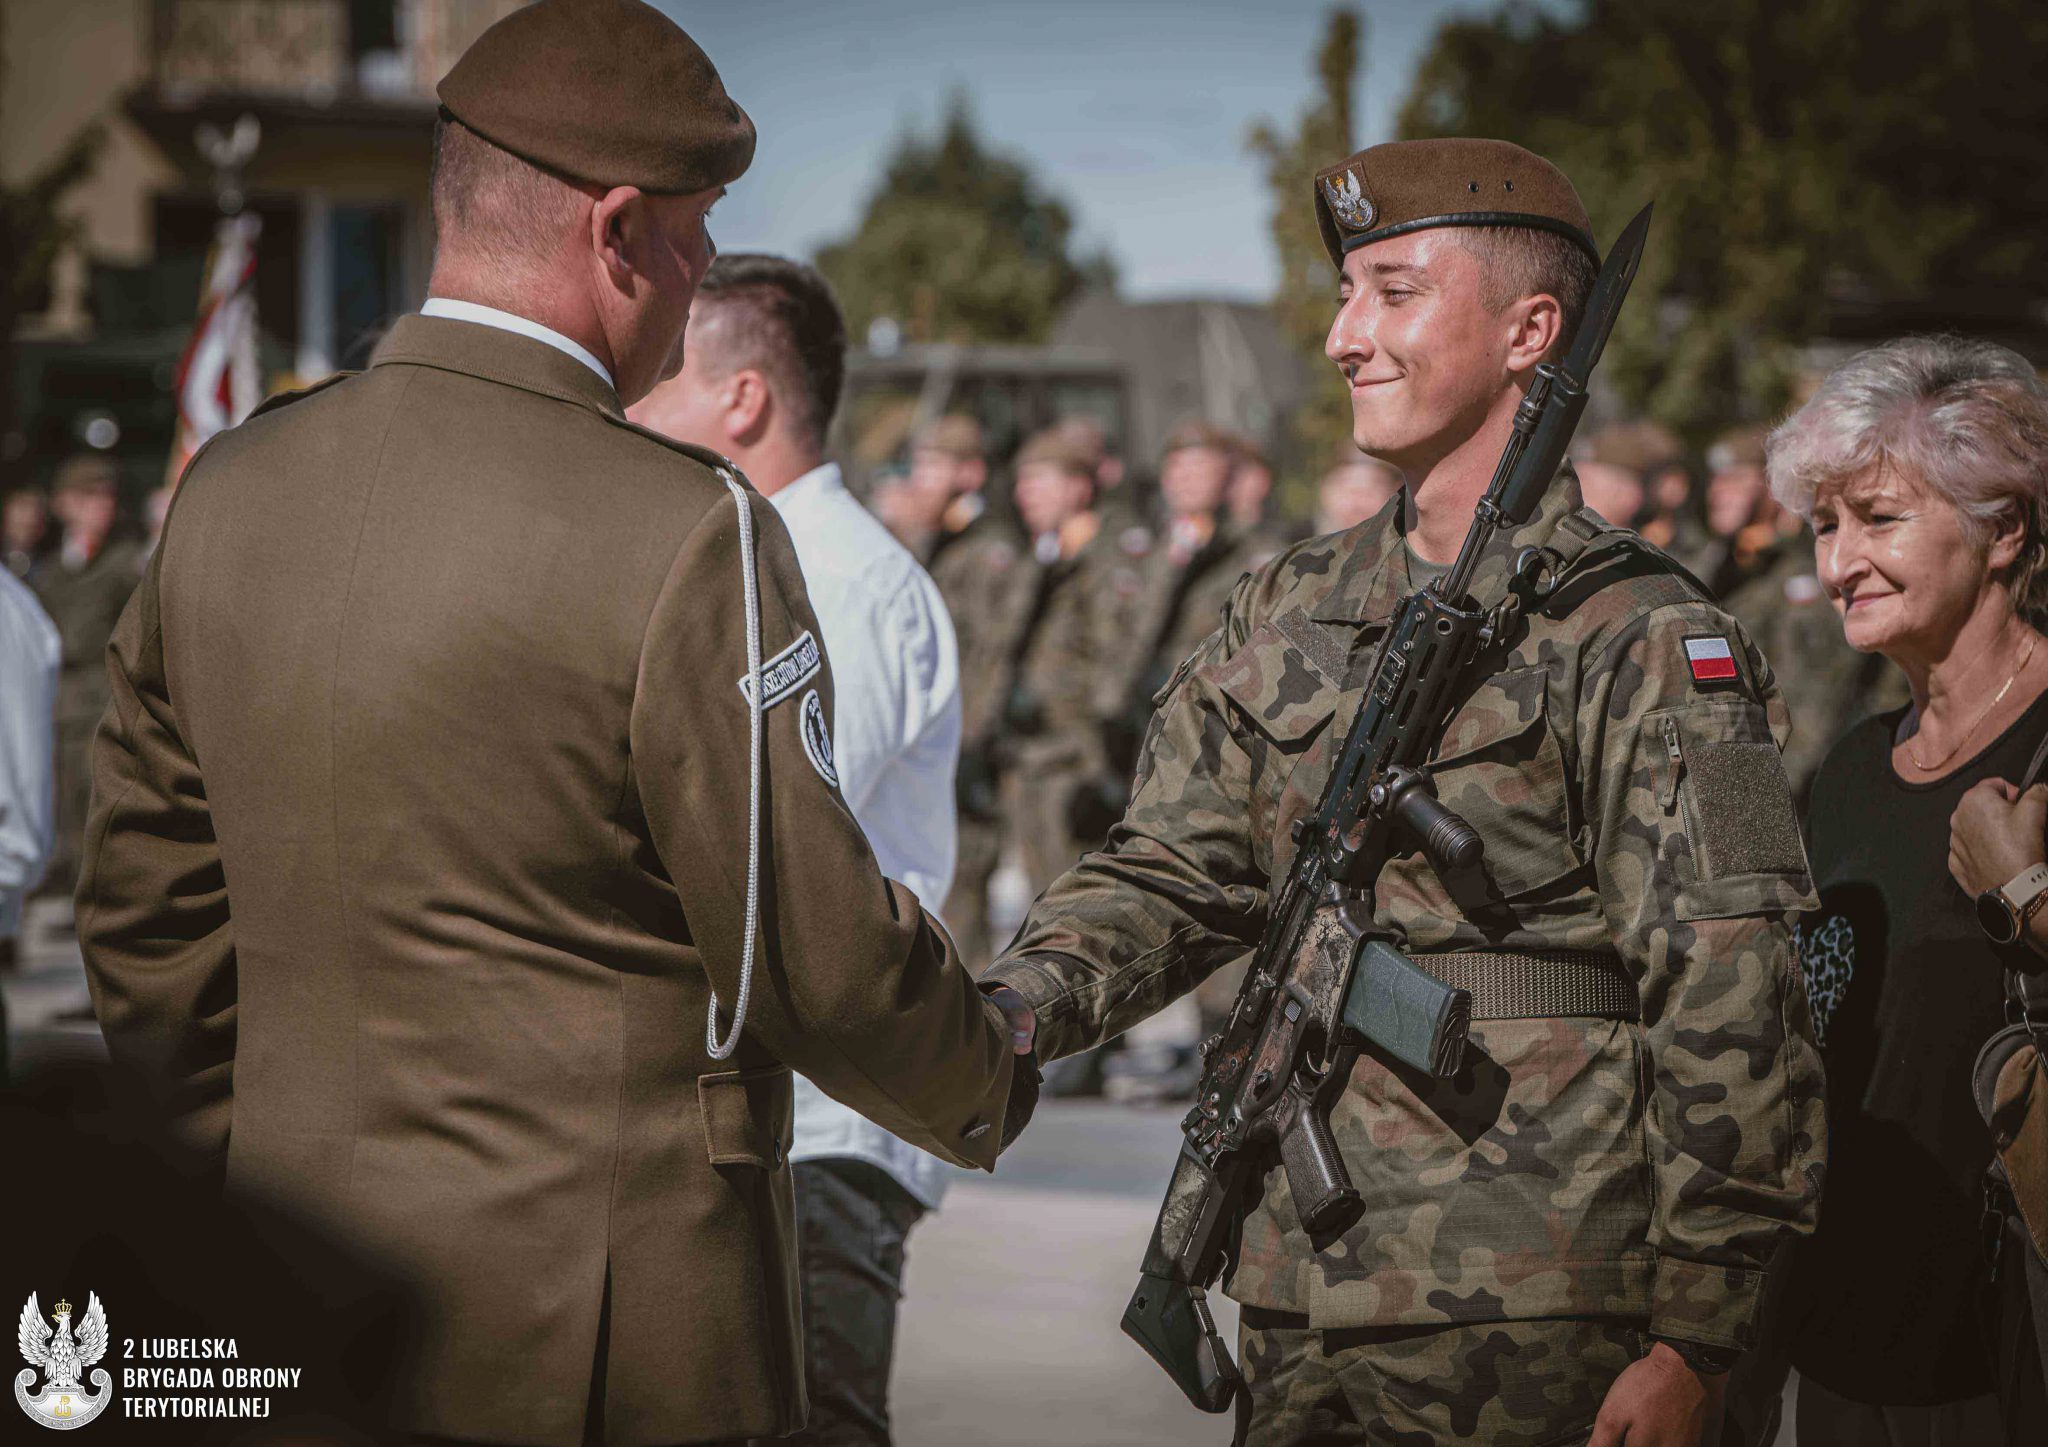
(976, 1129)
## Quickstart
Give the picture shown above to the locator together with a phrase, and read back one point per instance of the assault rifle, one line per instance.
(1322, 985)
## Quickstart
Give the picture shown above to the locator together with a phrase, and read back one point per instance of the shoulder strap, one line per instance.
(298, 394)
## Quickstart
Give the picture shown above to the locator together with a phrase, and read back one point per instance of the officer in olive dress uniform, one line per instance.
(467, 868)
(1570, 1237)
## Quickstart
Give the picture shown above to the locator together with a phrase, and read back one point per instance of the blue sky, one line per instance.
(1134, 111)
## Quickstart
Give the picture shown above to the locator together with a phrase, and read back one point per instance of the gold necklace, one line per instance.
(1996, 699)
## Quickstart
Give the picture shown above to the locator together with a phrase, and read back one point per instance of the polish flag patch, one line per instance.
(1710, 659)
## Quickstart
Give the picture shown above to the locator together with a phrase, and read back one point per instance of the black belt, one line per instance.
(1557, 984)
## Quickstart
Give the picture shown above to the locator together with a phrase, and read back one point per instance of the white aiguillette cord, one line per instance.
(753, 599)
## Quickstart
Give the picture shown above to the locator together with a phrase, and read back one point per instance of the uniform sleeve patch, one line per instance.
(1711, 659)
(818, 739)
(786, 672)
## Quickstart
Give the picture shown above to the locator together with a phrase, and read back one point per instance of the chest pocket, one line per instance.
(1288, 695)
(1500, 766)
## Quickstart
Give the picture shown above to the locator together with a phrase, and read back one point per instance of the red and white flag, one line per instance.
(217, 382)
(1710, 658)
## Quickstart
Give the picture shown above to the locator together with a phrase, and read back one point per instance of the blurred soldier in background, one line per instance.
(1113, 500)
(83, 586)
(1251, 499)
(1610, 467)
(933, 507)
(1672, 518)
(762, 371)
(1354, 489)
(24, 530)
(1063, 622)
(1761, 567)
(971, 554)
(1188, 576)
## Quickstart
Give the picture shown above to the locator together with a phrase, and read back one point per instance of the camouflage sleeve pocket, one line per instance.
(1718, 777)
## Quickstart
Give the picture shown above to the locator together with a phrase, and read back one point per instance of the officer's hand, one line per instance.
(1995, 834)
(1023, 1023)
(1660, 1402)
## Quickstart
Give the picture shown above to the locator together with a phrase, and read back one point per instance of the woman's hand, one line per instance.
(1996, 833)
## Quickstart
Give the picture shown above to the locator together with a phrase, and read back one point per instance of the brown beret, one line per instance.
(1406, 186)
(1196, 433)
(956, 435)
(1058, 447)
(606, 91)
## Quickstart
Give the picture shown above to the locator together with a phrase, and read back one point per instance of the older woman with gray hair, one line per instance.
(1923, 468)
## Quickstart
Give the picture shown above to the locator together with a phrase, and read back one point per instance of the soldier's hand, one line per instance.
(1996, 833)
(1660, 1402)
(1023, 1023)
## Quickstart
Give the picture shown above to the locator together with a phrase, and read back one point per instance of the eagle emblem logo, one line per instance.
(62, 1356)
(1348, 202)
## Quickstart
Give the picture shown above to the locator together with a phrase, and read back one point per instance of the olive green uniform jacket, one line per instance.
(420, 836)
(1576, 1167)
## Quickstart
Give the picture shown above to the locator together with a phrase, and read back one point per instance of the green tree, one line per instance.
(1807, 161)
(959, 244)
(1305, 301)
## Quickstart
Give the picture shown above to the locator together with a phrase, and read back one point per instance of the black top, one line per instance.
(1885, 1299)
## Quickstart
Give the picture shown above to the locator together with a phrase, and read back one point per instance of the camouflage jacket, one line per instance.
(975, 576)
(1577, 1166)
(1062, 643)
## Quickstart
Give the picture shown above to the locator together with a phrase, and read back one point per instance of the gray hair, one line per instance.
(1970, 419)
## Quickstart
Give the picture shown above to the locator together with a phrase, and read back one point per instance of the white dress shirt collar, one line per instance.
(819, 482)
(490, 316)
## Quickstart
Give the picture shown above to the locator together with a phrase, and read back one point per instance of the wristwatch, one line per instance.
(1703, 1359)
(2004, 912)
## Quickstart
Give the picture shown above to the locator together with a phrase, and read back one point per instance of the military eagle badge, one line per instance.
(1348, 202)
(61, 1356)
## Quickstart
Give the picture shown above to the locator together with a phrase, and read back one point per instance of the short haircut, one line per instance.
(490, 204)
(779, 318)
(1519, 261)
(1969, 418)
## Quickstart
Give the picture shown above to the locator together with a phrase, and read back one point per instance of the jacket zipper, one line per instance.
(1668, 795)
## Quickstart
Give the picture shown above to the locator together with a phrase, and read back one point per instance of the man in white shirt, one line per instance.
(30, 652)
(760, 380)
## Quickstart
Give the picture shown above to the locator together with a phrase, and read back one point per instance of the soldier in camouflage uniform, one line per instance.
(1570, 1236)
(1062, 620)
(1195, 561)
(938, 503)
(972, 555)
(1763, 572)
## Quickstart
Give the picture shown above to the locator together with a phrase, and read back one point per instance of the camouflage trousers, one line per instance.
(1501, 1384)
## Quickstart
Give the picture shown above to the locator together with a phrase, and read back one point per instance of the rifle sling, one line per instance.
(1555, 985)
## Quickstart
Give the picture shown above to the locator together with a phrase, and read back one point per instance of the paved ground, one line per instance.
(1009, 1330)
